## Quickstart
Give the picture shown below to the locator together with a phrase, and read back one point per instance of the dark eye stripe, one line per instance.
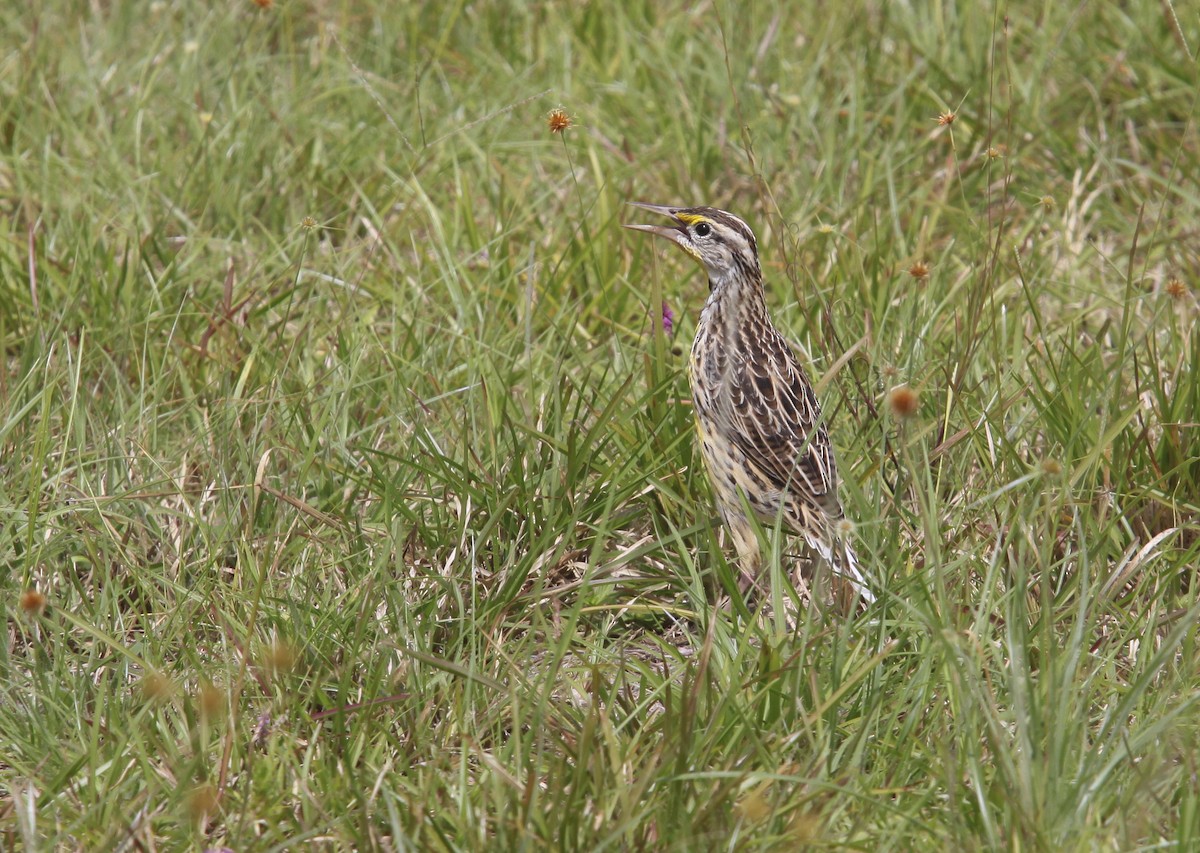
(732, 223)
(721, 219)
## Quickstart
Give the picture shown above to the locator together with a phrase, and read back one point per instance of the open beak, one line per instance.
(675, 233)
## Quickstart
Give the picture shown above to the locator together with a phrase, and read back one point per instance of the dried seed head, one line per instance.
(558, 120)
(279, 658)
(806, 828)
(211, 700)
(919, 270)
(946, 118)
(1051, 467)
(33, 602)
(202, 801)
(157, 688)
(754, 807)
(903, 402)
(1176, 289)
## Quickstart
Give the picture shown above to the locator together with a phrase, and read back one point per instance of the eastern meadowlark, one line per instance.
(763, 440)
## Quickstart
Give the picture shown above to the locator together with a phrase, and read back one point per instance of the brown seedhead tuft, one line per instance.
(903, 402)
(33, 603)
(279, 658)
(157, 688)
(919, 270)
(211, 700)
(754, 807)
(805, 828)
(1176, 289)
(263, 4)
(1047, 202)
(1051, 467)
(202, 802)
(558, 121)
(945, 119)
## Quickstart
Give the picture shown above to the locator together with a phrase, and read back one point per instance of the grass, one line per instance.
(347, 489)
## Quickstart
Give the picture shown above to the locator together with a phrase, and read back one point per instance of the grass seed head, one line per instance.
(558, 121)
(33, 603)
(279, 658)
(903, 402)
(156, 688)
(805, 828)
(919, 270)
(754, 807)
(202, 801)
(211, 700)
(1051, 467)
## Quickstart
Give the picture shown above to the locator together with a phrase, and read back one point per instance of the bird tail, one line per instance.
(842, 560)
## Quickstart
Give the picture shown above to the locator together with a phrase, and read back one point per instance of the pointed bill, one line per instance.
(673, 233)
(665, 210)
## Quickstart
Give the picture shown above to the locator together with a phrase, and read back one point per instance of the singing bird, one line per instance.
(763, 440)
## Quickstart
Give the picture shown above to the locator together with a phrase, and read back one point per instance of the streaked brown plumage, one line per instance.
(762, 437)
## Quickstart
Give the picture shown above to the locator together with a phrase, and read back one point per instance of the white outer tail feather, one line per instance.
(845, 567)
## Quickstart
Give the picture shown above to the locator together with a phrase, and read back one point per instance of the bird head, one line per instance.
(723, 244)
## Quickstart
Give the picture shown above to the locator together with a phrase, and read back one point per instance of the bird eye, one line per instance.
(703, 229)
